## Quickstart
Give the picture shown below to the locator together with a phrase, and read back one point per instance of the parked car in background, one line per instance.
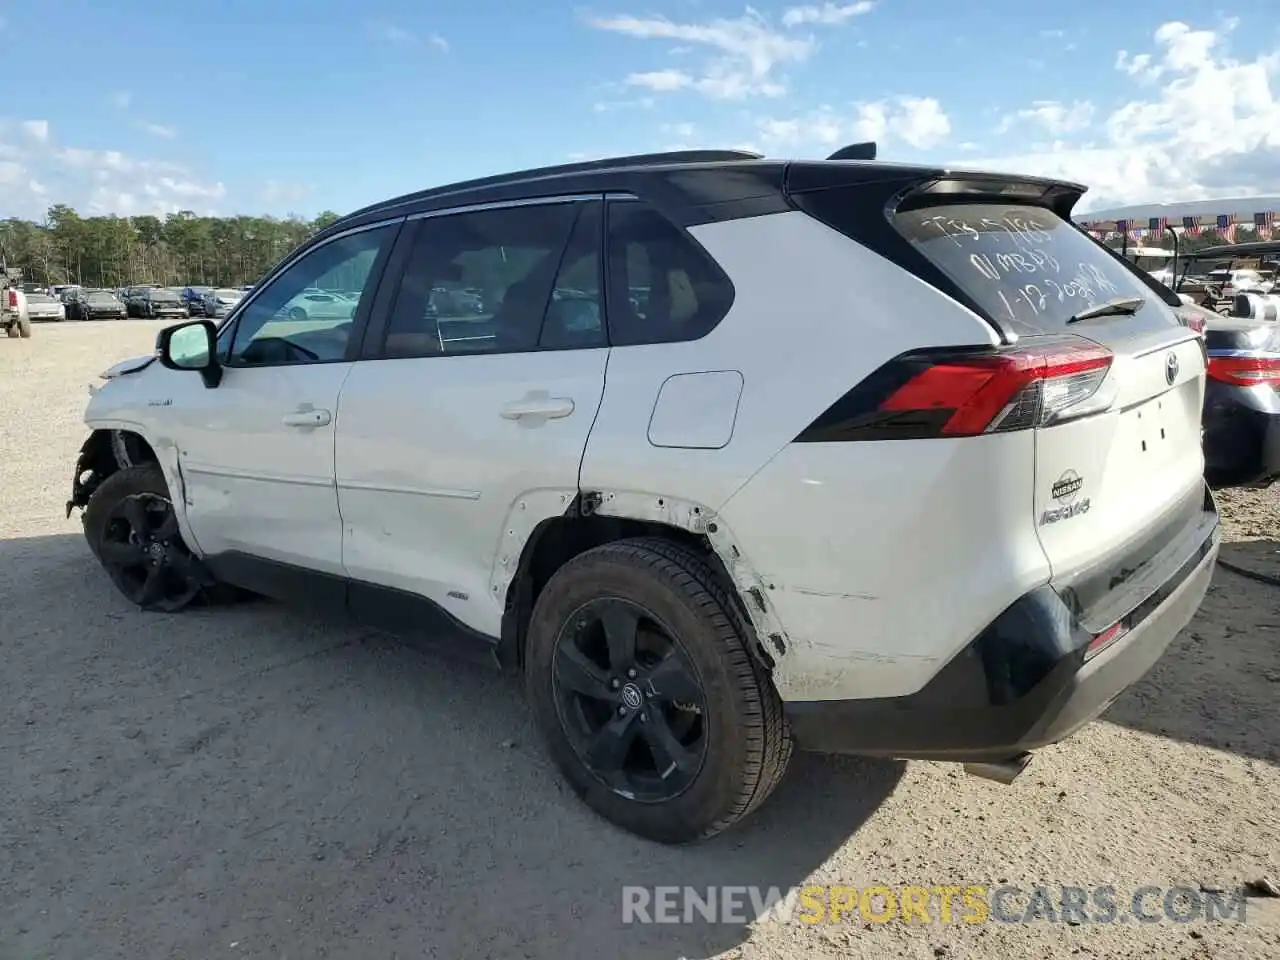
(1241, 398)
(157, 302)
(193, 297)
(60, 291)
(218, 303)
(316, 304)
(95, 305)
(42, 306)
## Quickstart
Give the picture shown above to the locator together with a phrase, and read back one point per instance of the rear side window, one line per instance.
(484, 282)
(1026, 266)
(663, 287)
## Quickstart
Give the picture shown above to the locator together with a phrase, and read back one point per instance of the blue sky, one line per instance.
(273, 106)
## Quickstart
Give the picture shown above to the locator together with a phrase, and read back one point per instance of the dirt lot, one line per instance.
(251, 782)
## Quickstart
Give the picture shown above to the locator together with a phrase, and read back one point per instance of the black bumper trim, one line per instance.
(1024, 682)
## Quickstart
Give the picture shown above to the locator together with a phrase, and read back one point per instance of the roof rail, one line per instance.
(584, 166)
(856, 151)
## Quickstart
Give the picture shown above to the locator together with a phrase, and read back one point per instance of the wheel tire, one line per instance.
(98, 514)
(24, 329)
(12, 330)
(748, 741)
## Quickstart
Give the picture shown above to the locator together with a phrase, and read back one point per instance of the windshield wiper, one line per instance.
(1120, 307)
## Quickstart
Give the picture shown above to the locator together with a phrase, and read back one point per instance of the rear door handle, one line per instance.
(307, 418)
(538, 405)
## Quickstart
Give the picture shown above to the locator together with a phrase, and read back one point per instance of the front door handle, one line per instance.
(539, 405)
(307, 418)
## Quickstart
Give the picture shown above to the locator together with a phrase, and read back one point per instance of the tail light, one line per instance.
(1105, 639)
(13, 299)
(967, 392)
(1245, 369)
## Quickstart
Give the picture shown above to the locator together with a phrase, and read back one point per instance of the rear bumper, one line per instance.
(1025, 682)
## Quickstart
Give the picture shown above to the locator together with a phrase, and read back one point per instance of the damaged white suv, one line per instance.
(723, 453)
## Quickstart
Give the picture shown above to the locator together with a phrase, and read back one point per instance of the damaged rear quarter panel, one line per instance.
(696, 518)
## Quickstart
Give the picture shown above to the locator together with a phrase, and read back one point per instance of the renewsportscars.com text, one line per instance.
(972, 904)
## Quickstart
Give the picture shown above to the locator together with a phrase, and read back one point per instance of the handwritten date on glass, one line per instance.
(1088, 284)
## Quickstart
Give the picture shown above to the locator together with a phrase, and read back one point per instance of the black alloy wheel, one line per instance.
(630, 701)
(143, 553)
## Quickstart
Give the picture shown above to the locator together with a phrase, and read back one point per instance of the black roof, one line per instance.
(694, 186)
(1254, 248)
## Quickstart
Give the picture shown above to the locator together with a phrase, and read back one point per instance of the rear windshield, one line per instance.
(1027, 267)
(164, 296)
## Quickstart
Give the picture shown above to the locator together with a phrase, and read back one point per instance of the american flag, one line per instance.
(1227, 227)
(1191, 225)
(1157, 224)
(1263, 225)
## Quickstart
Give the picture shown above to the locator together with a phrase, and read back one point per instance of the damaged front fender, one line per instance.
(97, 460)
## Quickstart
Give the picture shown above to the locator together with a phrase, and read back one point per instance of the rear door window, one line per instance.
(1028, 268)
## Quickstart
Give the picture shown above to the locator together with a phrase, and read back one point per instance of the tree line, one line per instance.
(181, 248)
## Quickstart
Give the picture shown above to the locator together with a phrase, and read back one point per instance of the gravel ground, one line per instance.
(252, 782)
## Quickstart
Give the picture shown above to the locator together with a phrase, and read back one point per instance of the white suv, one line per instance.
(723, 453)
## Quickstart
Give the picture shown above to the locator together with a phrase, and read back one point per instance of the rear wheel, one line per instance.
(132, 529)
(642, 686)
(24, 329)
(11, 330)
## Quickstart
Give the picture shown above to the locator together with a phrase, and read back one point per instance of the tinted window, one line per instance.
(1027, 267)
(574, 317)
(481, 282)
(663, 287)
(281, 326)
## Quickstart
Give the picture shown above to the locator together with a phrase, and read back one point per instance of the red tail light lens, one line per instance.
(1004, 391)
(13, 299)
(1105, 639)
(967, 392)
(1246, 370)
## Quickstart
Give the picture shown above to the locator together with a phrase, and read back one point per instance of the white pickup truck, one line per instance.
(14, 319)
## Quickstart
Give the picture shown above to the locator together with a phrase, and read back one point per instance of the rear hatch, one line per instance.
(1119, 465)
(1114, 398)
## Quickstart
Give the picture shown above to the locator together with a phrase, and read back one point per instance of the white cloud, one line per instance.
(1057, 119)
(921, 122)
(918, 122)
(393, 33)
(37, 130)
(1203, 125)
(38, 172)
(660, 80)
(159, 130)
(828, 14)
(744, 52)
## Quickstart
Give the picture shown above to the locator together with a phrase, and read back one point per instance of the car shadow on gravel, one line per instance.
(1218, 683)
(252, 779)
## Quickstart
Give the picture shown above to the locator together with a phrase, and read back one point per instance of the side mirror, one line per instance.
(191, 346)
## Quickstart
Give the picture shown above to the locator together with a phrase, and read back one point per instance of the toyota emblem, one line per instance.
(1171, 368)
(632, 697)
